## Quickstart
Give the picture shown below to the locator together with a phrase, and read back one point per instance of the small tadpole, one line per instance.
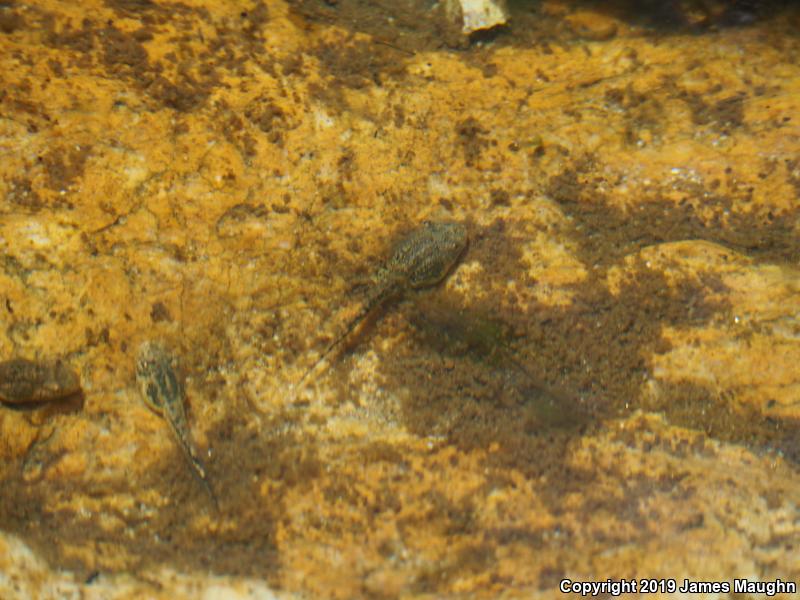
(421, 260)
(24, 381)
(162, 391)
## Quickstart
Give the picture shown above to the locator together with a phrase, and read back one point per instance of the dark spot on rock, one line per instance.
(499, 197)
(121, 49)
(10, 20)
(353, 64)
(95, 338)
(159, 312)
(399, 116)
(292, 65)
(723, 114)
(64, 165)
(471, 136)
(183, 98)
(357, 64)
(21, 193)
(256, 17)
(269, 118)
(346, 164)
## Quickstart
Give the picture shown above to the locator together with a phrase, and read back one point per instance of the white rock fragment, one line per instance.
(475, 15)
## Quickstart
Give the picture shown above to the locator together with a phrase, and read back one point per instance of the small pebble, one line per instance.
(25, 381)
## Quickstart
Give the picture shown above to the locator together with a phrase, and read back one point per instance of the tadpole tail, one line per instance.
(375, 299)
(200, 474)
(198, 469)
(350, 327)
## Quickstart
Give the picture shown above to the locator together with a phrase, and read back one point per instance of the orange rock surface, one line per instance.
(605, 387)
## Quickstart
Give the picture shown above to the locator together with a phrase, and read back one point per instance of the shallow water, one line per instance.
(604, 386)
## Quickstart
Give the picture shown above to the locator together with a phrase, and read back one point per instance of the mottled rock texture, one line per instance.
(605, 386)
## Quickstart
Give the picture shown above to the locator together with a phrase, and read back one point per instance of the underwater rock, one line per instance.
(477, 15)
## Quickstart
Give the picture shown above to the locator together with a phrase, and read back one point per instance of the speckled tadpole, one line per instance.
(162, 390)
(420, 260)
(25, 381)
